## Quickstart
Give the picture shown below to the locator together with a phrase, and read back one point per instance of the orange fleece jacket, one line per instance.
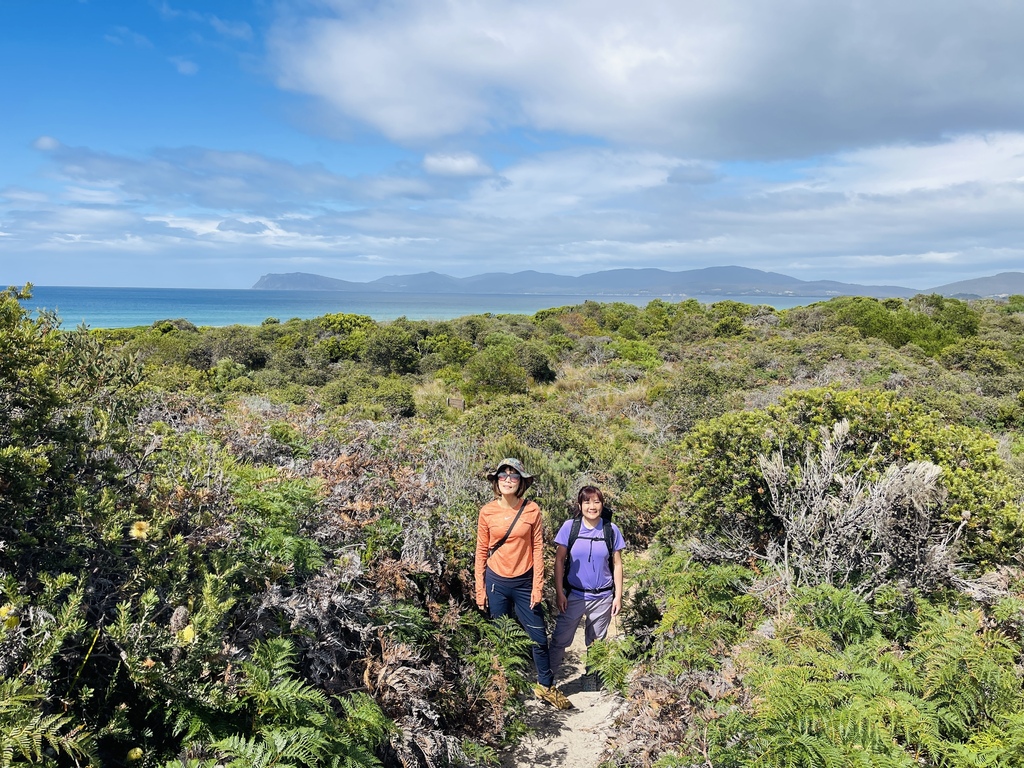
(523, 550)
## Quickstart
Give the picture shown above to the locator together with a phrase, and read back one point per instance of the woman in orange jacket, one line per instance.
(510, 566)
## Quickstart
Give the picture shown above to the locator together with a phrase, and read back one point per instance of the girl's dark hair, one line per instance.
(588, 492)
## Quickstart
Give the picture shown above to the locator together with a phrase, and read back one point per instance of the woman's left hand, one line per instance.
(616, 605)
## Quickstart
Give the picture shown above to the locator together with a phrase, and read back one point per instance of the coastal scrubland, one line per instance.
(252, 546)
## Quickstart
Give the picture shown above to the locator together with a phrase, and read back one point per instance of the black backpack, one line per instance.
(574, 533)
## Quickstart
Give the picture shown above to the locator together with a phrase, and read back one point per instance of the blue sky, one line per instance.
(203, 145)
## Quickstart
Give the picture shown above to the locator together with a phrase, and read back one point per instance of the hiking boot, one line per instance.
(552, 696)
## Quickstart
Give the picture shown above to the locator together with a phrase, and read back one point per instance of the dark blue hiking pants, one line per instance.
(505, 595)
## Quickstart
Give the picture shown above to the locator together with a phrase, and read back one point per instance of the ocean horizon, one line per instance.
(130, 307)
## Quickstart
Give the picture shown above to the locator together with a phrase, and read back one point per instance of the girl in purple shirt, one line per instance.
(594, 576)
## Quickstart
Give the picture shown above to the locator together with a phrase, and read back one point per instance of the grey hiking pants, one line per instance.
(598, 612)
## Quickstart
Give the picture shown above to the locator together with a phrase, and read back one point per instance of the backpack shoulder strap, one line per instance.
(574, 533)
(609, 539)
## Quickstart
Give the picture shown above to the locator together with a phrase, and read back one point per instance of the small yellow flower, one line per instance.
(187, 635)
(139, 529)
(9, 617)
(135, 753)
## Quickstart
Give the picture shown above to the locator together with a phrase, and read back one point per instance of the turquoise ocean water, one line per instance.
(127, 307)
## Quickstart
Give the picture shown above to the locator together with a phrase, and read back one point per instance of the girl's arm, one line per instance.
(560, 599)
(617, 577)
(537, 595)
(483, 543)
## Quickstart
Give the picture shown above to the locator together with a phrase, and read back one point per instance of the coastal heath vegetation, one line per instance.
(251, 546)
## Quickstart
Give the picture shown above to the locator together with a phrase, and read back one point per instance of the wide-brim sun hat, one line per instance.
(517, 465)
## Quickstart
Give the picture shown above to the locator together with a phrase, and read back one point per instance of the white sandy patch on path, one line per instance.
(574, 738)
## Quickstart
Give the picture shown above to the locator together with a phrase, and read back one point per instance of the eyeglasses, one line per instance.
(508, 475)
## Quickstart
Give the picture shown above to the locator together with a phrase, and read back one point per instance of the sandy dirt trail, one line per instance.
(573, 738)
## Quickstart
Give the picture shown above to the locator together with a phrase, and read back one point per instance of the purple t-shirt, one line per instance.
(589, 565)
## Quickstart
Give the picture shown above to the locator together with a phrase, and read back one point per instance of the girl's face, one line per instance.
(592, 508)
(508, 480)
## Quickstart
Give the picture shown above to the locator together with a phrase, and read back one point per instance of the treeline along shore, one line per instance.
(253, 546)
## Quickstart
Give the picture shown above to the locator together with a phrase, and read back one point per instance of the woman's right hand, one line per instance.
(482, 605)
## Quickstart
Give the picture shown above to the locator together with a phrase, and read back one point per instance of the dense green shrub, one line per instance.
(178, 324)
(394, 396)
(391, 348)
(723, 491)
(694, 393)
(1014, 304)
(496, 370)
(637, 352)
(930, 322)
(982, 357)
(343, 324)
(536, 424)
(239, 343)
(348, 383)
(728, 326)
(66, 409)
(533, 357)
(333, 349)
(447, 348)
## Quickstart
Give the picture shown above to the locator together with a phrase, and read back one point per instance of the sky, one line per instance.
(169, 144)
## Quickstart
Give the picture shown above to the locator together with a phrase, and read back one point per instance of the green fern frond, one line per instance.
(613, 659)
(349, 754)
(280, 747)
(291, 698)
(844, 615)
(966, 671)
(24, 730)
(796, 750)
(478, 753)
(363, 718)
(404, 621)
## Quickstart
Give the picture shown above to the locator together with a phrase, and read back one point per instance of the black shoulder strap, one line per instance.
(504, 538)
(609, 539)
(574, 532)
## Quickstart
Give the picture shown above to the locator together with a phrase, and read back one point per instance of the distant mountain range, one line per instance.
(727, 281)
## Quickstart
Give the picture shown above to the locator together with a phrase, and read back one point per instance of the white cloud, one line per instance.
(237, 29)
(92, 196)
(238, 181)
(455, 164)
(46, 144)
(694, 173)
(245, 227)
(22, 196)
(896, 169)
(736, 77)
(184, 66)
(126, 36)
(949, 210)
(558, 183)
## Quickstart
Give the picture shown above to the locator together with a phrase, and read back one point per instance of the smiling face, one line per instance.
(591, 506)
